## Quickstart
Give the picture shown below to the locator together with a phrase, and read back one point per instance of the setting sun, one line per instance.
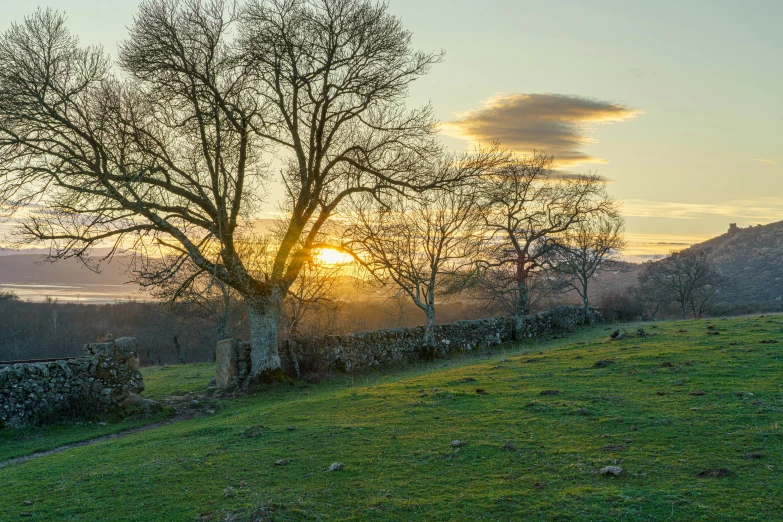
(331, 256)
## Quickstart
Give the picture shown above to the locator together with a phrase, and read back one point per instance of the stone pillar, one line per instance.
(225, 363)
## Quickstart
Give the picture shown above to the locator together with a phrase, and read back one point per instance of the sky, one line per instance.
(678, 104)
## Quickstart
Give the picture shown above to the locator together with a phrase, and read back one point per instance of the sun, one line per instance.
(331, 256)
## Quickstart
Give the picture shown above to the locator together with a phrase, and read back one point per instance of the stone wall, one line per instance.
(104, 379)
(383, 348)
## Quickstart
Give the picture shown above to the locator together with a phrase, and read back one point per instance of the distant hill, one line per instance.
(753, 258)
(29, 269)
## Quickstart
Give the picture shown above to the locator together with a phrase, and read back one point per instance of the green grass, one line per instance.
(164, 381)
(393, 432)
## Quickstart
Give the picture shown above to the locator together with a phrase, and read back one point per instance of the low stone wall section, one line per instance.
(383, 348)
(105, 379)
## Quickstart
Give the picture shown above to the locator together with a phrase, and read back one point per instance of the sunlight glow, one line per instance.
(330, 256)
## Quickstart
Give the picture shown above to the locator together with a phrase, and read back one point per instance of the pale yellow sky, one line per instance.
(678, 103)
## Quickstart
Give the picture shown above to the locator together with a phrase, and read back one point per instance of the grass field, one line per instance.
(693, 415)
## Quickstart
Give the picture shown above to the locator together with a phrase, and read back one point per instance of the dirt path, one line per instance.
(96, 440)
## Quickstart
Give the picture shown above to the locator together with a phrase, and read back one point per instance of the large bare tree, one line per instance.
(587, 248)
(527, 207)
(167, 148)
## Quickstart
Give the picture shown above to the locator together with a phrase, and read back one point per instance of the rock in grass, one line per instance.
(336, 466)
(550, 392)
(751, 456)
(282, 462)
(458, 443)
(603, 363)
(714, 473)
(509, 446)
(611, 470)
(614, 447)
(697, 392)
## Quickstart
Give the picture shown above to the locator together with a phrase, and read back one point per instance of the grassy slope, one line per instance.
(393, 434)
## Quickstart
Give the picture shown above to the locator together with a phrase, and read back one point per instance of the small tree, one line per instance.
(191, 290)
(687, 276)
(312, 292)
(415, 244)
(526, 206)
(587, 248)
(652, 292)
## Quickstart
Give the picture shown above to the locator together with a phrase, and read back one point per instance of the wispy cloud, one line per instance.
(553, 123)
(762, 209)
(774, 161)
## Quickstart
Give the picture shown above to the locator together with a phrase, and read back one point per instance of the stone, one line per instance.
(458, 443)
(282, 462)
(136, 401)
(611, 470)
(362, 351)
(225, 363)
(105, 379)
(336, 466)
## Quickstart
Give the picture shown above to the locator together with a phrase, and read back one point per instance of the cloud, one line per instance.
(774, 161)
(553, 123)
(761, 210)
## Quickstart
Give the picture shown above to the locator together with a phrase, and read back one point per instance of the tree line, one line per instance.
(168, 152)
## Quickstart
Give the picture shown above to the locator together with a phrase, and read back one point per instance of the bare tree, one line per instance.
(527, 207)
(495, 286)
(652, 292)
(703, 296)
(314, 289)
(688, 276)
(191, 290)
(587, 248)
(415, 244)
(171, 153)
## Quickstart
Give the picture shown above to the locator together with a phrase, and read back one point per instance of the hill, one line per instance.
(690, 418)
(753, 258)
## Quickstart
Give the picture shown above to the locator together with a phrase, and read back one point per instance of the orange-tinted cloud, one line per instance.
(551, 123)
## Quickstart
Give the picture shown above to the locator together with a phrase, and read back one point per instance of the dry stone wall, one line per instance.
(106, 378)
(383, 348)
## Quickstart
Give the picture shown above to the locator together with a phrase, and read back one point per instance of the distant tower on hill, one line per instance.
(733, 228)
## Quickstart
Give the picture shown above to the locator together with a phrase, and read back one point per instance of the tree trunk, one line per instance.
(221, 328)
(518, 326)
(588, 319)
(178, 348)
(429, 328)
(263, 315)
(520, 312)
(586, 301)
(684, 307)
